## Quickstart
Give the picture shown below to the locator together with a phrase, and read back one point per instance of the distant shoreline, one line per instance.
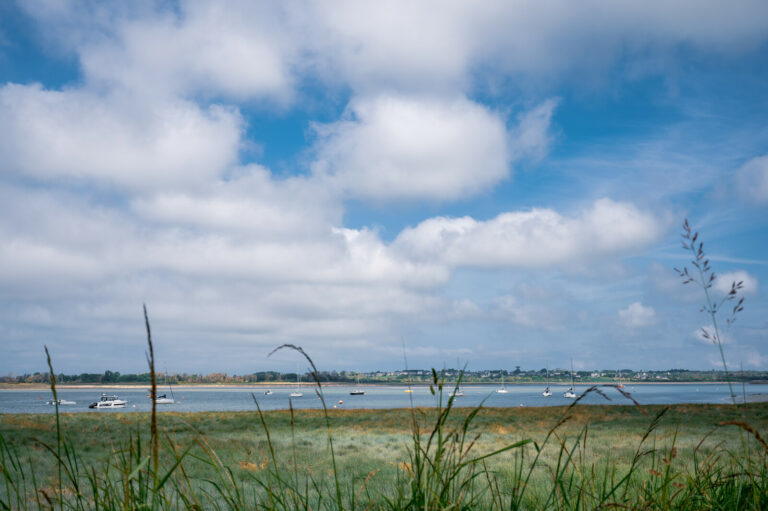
(202, 386)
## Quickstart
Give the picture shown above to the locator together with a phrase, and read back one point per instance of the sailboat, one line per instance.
(357, 391)
(502, 389)
(163, 399)
(458, 391)
(570, 394)
(547, 392)
(619, 385)
(297, 392)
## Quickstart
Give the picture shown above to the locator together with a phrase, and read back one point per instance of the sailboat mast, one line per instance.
(169, 386)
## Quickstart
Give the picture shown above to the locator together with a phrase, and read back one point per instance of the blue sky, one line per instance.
(502, 183)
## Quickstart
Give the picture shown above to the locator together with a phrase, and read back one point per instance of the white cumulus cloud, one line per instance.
(114, 139)
(264, 49)
(394, 146)
(241, 50)
(535, 238)
(637, 315)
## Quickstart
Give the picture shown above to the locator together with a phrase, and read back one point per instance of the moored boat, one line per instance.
(108, 401)
(502, 389)
(297, 392)
(570, 393)
(162, 399)
(60, 402)
(357, 391)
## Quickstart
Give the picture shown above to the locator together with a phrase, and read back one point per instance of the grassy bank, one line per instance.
(598, 456)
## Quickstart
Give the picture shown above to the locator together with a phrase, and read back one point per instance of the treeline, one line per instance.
(517, 375)
(112, 377)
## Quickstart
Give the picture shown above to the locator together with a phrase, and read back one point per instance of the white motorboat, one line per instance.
(502, 389)
(108, 401)
(61, 402)
(570, 393)
(268, 392)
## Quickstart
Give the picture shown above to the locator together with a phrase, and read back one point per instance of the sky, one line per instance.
(496, 184)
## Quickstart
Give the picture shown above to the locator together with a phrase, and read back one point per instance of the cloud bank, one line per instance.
(128, 184)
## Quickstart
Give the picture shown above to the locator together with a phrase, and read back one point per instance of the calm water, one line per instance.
(230, 399)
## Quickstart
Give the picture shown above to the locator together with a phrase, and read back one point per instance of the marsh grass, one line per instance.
(569, 458)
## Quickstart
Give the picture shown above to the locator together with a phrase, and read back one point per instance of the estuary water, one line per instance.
(200, 399)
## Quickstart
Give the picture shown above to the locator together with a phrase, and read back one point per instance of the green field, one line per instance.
(600, 456)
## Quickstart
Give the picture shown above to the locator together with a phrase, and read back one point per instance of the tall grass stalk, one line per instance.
(705, 278)
(151, 362)
(58, 423)
(319, 392)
